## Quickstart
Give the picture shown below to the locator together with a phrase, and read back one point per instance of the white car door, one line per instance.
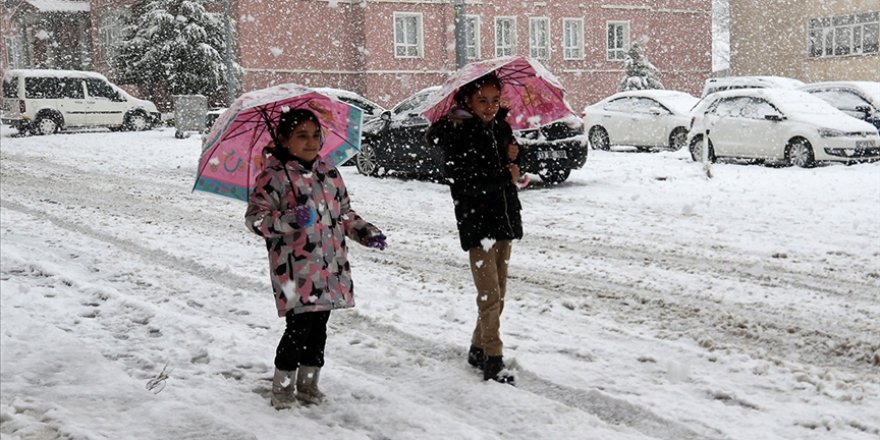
(617, 118)
(648, 129)
(724, 124)
(106, 106)
(763, 134)
(72, 102)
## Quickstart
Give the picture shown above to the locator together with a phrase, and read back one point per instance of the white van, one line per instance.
(46, 101)
(721, 84)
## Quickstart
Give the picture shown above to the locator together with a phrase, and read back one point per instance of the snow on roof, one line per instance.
(61, 5)
(54, 73)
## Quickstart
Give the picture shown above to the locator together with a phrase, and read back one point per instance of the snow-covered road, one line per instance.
(645, 301)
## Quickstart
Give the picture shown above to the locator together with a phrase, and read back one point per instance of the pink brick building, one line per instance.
(388, 49)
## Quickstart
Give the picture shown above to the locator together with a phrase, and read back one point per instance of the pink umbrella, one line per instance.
(232, 155)
(534, 96)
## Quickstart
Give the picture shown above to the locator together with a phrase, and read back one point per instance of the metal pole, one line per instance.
(460, 35)
(230, 69)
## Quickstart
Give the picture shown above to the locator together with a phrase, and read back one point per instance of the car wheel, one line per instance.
(800, 153)
(366, 160)
(678, 138)
(696, 149)
(555, 176)
(136, 122)
(599, 139)
(45, 125)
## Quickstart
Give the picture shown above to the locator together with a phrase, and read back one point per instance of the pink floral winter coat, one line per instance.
(308, 266)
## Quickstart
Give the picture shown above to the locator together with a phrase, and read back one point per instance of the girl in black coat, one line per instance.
(481, 164)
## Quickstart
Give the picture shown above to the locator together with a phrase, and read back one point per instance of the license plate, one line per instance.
(552, 154)
(864, 144)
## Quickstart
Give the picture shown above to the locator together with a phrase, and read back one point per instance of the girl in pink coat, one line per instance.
(301, 207)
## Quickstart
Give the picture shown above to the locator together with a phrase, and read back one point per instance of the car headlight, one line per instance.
(830, 132)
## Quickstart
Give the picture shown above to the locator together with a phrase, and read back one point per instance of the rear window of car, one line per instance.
(53, 88)
(10, 87)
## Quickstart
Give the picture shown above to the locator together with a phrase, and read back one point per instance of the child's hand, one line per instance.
(377, 241)
(514, 172)
(512, 151)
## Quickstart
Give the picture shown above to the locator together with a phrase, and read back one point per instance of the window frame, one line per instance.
(14, 51)
(843, 35)
(580, 47)
(511, 46)
(419, 32)
(475, 44)
(533, 37)
(611, 52)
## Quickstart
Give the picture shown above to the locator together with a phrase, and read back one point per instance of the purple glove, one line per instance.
(377, 241)
(303, 216)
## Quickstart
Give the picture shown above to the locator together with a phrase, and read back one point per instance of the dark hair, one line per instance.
(290, 119)
(467, 90)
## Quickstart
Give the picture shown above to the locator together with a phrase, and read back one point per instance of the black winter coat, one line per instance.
(475, 162)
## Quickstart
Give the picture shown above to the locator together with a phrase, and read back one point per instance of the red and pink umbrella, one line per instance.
(534, 96)
(233, 155)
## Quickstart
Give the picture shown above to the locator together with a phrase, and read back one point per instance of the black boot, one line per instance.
(476, 357)
(494, 369)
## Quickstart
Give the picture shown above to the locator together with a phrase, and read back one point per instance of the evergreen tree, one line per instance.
(173, 47)
(639, 73)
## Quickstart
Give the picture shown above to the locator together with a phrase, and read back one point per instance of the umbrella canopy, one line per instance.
(532, 94)
(232, 154)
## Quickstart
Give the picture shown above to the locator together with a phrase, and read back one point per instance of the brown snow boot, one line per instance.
(282, 395)
(307, 385)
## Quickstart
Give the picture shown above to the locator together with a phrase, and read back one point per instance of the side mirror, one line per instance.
(774, 118)
(385, 116)
(866, 109)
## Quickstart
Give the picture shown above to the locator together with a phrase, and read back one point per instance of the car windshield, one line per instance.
(680, 103)
(842, 99)
(804, 103)
(415, 103)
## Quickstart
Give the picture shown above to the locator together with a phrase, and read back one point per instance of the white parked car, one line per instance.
(859, 99)
(43, 101)
(779, 125)
(644, 119)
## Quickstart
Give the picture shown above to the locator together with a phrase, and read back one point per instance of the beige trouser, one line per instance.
(490, 277)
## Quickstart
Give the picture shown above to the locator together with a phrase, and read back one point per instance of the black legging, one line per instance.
(303, 341)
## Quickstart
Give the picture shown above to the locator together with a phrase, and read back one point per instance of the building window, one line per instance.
(618, 40)
(539, 38)
(505, 36)
(472, 36)
(111, 27)
(408, 35)
(853, 34)
(573, 38)
(14, 51)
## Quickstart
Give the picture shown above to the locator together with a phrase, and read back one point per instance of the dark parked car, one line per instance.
(859, 99)
(395, 144)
